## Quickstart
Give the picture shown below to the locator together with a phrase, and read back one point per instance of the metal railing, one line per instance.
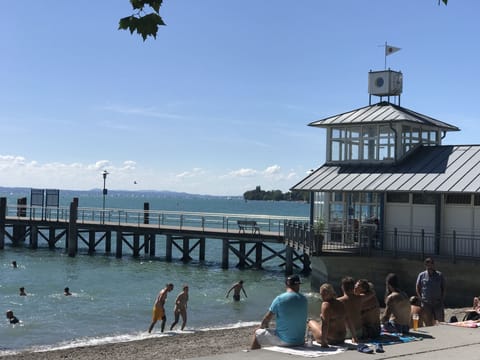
(367, 238)
(134, 217)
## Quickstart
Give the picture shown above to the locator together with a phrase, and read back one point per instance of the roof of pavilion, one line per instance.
(382, 112)
(438, 169)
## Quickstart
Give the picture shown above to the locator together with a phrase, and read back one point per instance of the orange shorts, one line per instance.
(158, 313)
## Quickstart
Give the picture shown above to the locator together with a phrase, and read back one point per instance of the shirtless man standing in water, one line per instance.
(159, 307)
(181, 308)
(237, 287)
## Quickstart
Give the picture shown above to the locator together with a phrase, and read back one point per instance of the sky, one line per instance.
(220, 102)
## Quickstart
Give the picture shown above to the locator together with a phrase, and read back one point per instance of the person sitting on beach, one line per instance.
(396, 318)
(370, 309)
(159, 307)
(237, 287)
(180, 308)
(290, 311)
(353, 304)
(12, 318)
(22, 291)
(331, 329)
(416, 309)
(474, 313)
(67, 292)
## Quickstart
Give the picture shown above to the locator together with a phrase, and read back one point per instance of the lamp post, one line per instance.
(104, 174)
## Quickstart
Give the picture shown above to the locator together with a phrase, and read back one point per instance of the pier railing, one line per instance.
(132, 217)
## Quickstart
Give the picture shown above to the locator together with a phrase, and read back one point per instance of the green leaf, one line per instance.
(154, 4)
(124, 23)
(129, 22)
(137, 4)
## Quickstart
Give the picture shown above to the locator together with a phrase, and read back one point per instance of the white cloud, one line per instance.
(146, 112)
(189, 174)
(243, 173)
(272, 170)
(18, 171)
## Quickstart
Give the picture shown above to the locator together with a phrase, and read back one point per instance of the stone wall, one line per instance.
(462, 279)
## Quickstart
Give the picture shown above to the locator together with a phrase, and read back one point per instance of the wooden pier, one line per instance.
(141, 232)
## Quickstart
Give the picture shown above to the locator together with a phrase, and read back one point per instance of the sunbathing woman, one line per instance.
(474, 313)
(331, 329)
(370, 310)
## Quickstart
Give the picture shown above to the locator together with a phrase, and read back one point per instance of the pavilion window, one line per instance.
(464, 199)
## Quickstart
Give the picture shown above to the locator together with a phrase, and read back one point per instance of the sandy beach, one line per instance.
(178, 346)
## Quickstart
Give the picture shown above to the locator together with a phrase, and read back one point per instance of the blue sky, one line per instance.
(219, 103)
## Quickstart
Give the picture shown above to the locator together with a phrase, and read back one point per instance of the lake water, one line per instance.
(112, 298)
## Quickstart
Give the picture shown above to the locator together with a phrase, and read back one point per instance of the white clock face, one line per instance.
(379, 81)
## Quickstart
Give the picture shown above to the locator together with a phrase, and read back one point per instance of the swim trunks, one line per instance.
(236, 297)
(158, 313)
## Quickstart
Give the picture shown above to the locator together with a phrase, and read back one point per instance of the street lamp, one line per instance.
(104, 174)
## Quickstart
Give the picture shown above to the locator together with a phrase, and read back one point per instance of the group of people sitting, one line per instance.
(355, 315)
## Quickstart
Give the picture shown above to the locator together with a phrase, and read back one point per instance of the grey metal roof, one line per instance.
(437, 169)
(382, 112)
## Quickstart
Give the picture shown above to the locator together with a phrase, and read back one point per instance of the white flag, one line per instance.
(390, 49)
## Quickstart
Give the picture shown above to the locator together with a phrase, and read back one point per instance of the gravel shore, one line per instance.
(178, 346)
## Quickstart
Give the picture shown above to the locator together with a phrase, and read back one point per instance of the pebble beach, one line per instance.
(178, 346)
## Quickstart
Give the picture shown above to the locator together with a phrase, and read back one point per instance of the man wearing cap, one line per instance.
(290, 312)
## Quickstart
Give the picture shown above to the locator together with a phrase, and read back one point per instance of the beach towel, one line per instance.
(394, 338)
(313, 351)
(467, 323)
(390, 339)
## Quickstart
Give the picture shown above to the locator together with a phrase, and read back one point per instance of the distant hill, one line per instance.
(21, 191)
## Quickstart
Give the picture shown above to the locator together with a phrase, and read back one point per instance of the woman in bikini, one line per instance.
(331, 330)
(370, 310)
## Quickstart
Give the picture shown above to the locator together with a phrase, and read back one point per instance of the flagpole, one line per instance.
(385, 55)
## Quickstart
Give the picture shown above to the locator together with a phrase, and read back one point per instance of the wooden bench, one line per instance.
(248, 224)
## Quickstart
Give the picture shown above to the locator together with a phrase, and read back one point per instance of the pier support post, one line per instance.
(136, 245)
(306, 264)
(72, 229)
(225, 254)
(146, 243)
(34, 237)
(118, 252)
(258, 256)
(186, 250)
(108, 241)
(146, 220)
(201, 255)
(151, 242)
(3, 214)
(241, 257)
(168, 248)
(146, 214)
(51, 237)
(289, 260)
(91, 242)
